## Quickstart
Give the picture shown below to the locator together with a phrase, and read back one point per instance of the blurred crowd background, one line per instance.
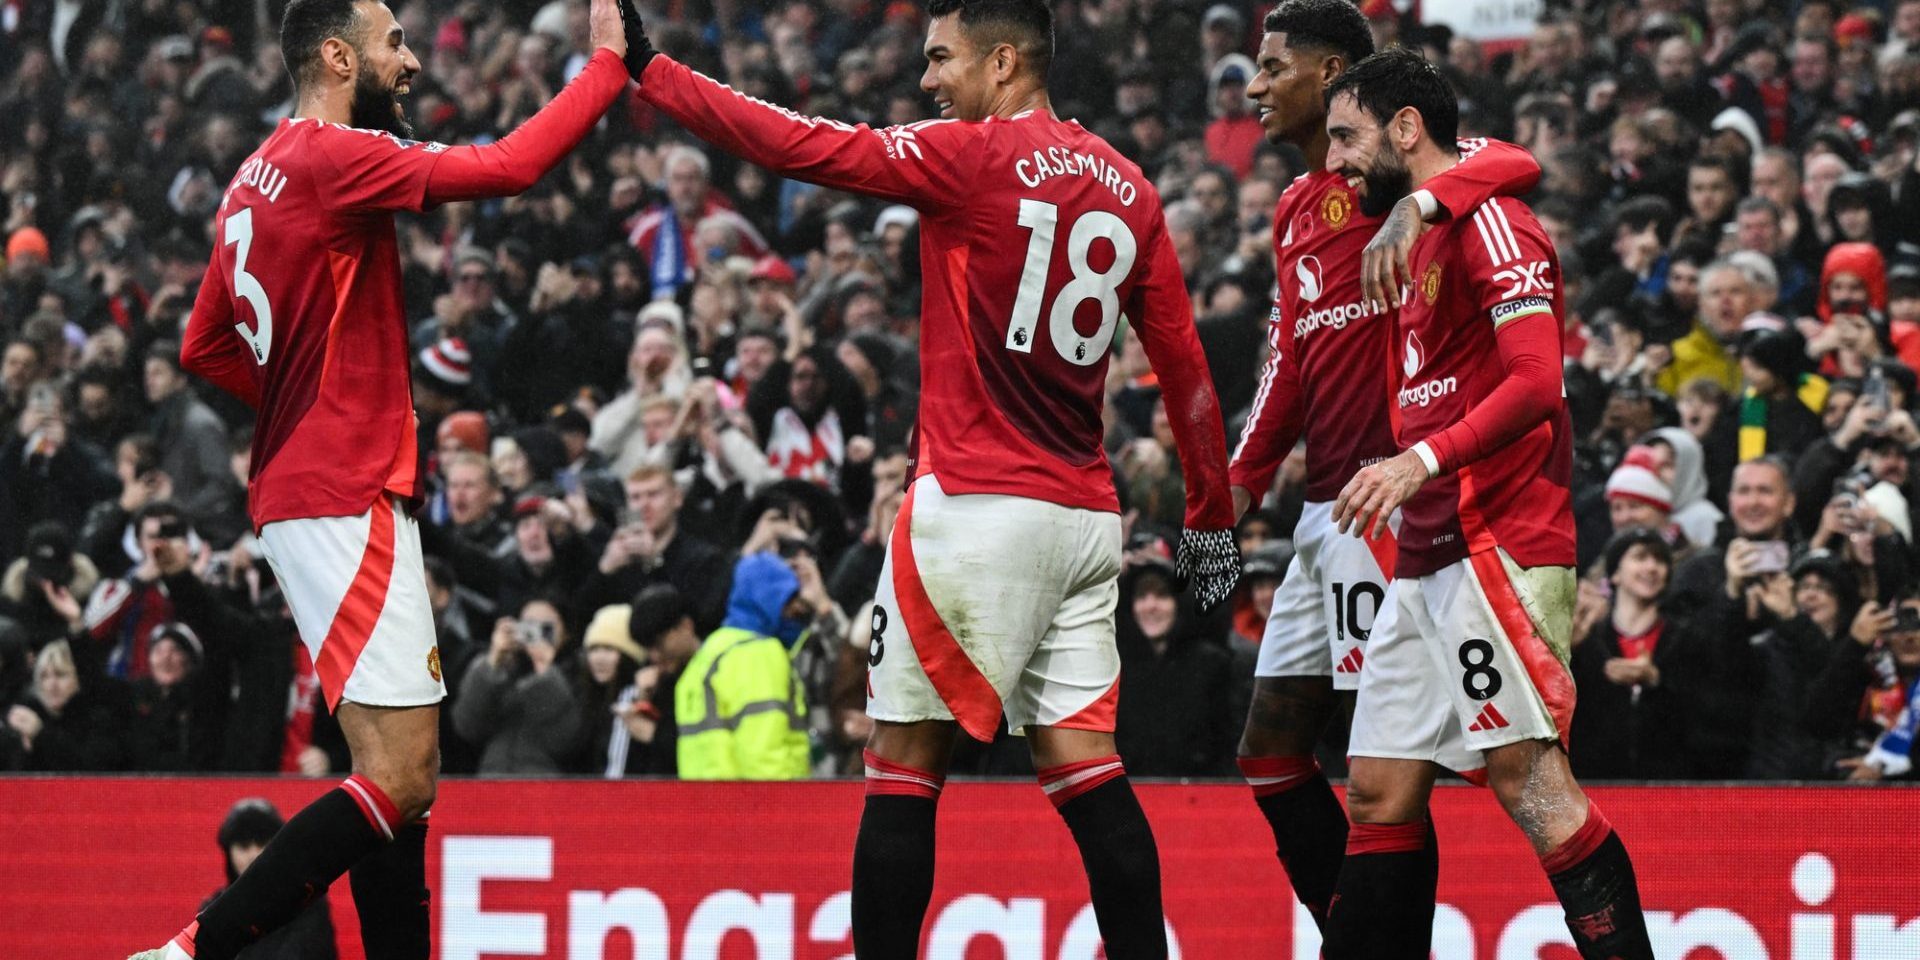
(664, 394)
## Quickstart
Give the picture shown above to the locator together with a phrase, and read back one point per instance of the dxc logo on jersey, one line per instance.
(1307, 270)
(1525, 278)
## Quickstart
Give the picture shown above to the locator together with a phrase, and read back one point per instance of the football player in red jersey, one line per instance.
(300, 315)
(1324, 381)
(1467, 665)
(997, 596)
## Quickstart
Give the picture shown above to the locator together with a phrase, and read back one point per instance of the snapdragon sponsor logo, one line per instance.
(1312, 284)
(1422, 394)
(1428, 392)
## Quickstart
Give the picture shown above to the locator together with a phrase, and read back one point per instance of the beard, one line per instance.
(1387, 181)
(376, 108)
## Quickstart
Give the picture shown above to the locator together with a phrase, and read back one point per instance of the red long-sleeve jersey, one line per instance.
(1330, 367)
(1036, 238)
(300, 313)
(1482, 399)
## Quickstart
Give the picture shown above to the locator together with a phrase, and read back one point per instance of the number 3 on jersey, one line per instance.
(1042, 218)
(247, 287)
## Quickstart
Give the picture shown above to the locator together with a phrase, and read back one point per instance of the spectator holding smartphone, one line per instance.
(608, 695)
(108, 535)
(650, 547)
(46, 473)
(1864, 696)
(1793, 652)
(122, 614)
(514, 704)
(1867, 527)
(1725, 587)
(662, 623)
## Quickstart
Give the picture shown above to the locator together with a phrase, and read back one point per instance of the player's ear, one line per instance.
(1004, 61)
(1405, 128)
(338, 58)
(1331, 68)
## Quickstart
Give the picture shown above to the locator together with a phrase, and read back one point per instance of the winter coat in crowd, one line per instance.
(1785, 747)
(1855, 698)
(1174, 718)
(87, 734)
(249, 667)
(526, 723)
(193, 451)
(1632, 732)
(698, 569)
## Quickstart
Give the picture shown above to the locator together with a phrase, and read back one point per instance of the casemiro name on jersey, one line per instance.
(1061, 161)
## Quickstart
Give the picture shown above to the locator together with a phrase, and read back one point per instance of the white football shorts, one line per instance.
(1326, 607)
(358, 591)
(989, 602)
(1468, 658)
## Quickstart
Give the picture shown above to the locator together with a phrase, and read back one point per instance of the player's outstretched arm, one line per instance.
(210, 350)
(373, 171)
(918, 164)
(515, 162)
(1162, 313)
(1487, 169)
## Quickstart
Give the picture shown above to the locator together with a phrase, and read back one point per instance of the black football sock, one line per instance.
(315, 847)
(1309, 825)
(1382, 908)
(1593, 876)
(390, 894)
(1117, 848)
(893, 860)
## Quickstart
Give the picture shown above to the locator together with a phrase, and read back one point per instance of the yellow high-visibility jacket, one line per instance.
(741, 711)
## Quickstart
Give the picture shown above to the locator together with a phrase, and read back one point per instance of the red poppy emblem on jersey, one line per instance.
(1336, 209)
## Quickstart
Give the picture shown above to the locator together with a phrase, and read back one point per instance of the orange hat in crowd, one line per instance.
(28, 240)
(466, 427)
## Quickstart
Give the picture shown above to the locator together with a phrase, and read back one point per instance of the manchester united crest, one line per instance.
(1430, 284)
(433, 663)
(1336, 209)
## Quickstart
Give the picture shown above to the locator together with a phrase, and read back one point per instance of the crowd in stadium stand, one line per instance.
(662, 393)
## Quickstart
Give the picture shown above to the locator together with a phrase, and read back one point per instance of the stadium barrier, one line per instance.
(593, 870)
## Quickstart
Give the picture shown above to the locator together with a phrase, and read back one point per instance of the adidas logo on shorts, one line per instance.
(1489, 719)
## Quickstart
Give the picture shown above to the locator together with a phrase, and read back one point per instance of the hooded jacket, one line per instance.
(1693, 513)
(1865, 261)
(739, 705)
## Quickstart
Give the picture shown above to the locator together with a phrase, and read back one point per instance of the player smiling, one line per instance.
(300, 315)
(998, 593)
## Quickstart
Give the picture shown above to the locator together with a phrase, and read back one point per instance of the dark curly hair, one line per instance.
(1394, 79)
(1334, 25)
